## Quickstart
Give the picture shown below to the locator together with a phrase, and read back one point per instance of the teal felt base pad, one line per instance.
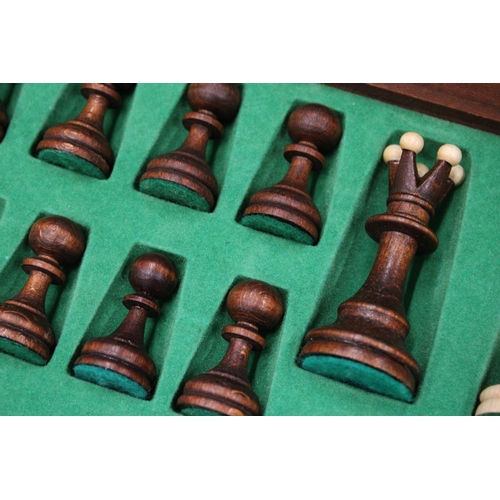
(176, 193)
(109, 379)
(21, 352)
(71, 162)
(357, 374)
(277, 227)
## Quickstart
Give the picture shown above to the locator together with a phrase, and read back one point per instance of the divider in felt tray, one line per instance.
(211, 347)
(111, 313)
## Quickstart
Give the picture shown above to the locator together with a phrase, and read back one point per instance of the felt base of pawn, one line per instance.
(70, 162)
(275, 226)
(21, 352)
(357, 374)
(110, 380)
(175, 193)
(193, 411)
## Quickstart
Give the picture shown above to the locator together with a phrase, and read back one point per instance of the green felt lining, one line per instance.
(21, 352)
(357, 374)
(109, 379)
(176, 193)
(453, 330)
(277, 227)
(71, 162)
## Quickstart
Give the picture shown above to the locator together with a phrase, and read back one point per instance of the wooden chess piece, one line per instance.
(225, 390)
(184, 176)
(119, 361)
(25, 330)
(286, 209)
(4, 121)
(365, 345)
(80, 144)
(489, 401)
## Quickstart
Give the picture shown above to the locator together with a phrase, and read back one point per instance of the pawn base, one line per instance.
(21, 351)
(110, 379)
(175, 193)
(278, 227)
(218, 393)
(70, 162)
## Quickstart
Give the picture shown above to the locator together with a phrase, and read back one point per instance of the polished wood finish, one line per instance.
(84, 136)
(315, 130)
(4, 121)
(154, 277)
(57, 241)
(213, 104)
(476, 105)
(257, 308)
(371, 326)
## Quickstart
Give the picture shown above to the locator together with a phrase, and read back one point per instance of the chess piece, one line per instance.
(119, 361)
(183, 176)
(286, 209)
(365, 345)
(4, 121)
(489, 401)
(25, 330)
(225, 390)
(80, 144)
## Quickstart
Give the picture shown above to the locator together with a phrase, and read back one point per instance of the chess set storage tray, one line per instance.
(451, 295)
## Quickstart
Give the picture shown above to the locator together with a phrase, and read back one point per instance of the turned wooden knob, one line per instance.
(120, 361)
(489, 401)
(183, 176)
(80, 144)
(225, 390)
(25, 330)
(286, 209)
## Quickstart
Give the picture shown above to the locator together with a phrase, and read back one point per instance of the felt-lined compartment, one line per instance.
(450, 298)
(111, 311)
(212, 346)
(274, 166)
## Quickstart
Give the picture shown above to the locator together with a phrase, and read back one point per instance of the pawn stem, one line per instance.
(119, 361)
(183, 176)
(25, 330)
(286, 209)
(225, 390)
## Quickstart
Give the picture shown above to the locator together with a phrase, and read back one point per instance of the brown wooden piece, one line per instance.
(257, 308)
(476, 105)
(315, 130)
(213, 104)
(153, 277)
(84, 137)
(4, 121)
(25, 330)
(371, 326)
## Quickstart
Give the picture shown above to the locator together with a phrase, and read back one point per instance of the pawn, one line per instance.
(286, 209)
(4, 121)
(225, 390)
(80, 144)
(184, 176)
(490, 401)
(25, 330)
(120, 361)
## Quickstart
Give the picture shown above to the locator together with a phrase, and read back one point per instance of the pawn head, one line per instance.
(316, 124)
(221, 99)
(58, 237)
(153, 274)
(257, 303)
